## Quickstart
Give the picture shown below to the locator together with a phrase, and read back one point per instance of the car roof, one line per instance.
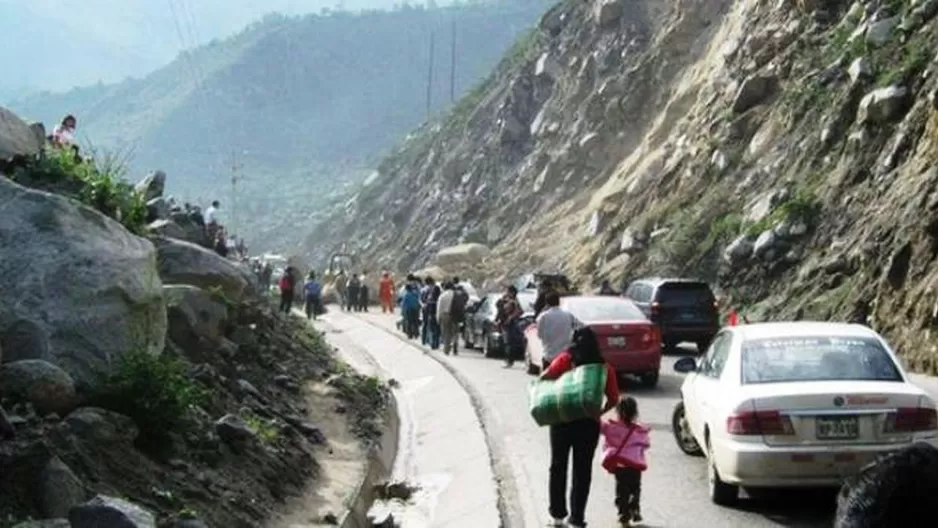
(783, 329)
(657, 281)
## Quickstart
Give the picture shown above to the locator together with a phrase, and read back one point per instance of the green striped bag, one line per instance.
(578, 393)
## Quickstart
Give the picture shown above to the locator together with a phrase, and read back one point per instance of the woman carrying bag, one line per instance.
(576, 407)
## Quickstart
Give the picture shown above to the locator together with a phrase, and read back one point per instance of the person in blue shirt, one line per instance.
(313, 291)
(410, 305)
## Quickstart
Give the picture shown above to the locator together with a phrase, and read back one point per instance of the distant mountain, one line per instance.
(57, 45)
(303, 106)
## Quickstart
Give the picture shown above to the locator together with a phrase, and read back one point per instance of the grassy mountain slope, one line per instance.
(782, 150)
(305, 103)
(96, 42)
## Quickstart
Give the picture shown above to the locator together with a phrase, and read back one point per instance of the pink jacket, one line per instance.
(632, 452)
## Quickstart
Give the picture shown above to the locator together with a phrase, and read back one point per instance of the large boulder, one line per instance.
(111, 512)
(99, 426)
(754, 91)
(181, 262)
(168, 228)
(24, 339)
(194, 314)
(883, 105)
(189, 229)
(462, 255)
(16, 137)
(157, 209)
(608, 12)
(49, 388)
(152, 186)
(84, 281)
(59, 490)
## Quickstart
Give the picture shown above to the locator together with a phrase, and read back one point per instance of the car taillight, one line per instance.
(910, 420)
(651, 335)
(770, 423)
(655, 308)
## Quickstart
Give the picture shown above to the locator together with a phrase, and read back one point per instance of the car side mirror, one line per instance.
(685, 365)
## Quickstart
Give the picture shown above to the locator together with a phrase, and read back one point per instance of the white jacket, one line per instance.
(445, 304)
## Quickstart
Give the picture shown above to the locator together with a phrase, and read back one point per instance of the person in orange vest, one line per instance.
(386, 293)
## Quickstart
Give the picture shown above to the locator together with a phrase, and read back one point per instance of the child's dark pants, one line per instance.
(628, 492)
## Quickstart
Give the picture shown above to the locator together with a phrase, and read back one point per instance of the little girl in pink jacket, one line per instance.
(624, 444)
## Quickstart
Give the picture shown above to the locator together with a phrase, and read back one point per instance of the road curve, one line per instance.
(674, 489)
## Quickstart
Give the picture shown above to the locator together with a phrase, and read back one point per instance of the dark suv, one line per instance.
(684, 309)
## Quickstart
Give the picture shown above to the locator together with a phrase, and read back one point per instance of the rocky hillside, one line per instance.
(144, 380)
(304, 103)
(781, 149)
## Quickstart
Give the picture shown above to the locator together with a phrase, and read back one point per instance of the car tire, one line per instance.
(650, 379)
(682, 434)
(721, 493)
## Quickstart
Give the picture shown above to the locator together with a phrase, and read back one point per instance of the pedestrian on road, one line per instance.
(509, 319)
(341, 289)
(579, 436)
(386, 293)
(363, 295)
(353, 288)
(410, 306)
(540, 301)
(430, 297)
(444, 314)
(625, 442)
(287, 284)
(458, 308)
(555, 328)
(313, 291)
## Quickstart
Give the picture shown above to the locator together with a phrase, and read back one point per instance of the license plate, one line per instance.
(616, 341)
(837, 428)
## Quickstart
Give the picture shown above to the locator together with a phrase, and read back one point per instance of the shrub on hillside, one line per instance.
(99, 185)
(155, 391)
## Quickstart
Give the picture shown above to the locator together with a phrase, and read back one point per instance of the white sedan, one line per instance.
(799, 404)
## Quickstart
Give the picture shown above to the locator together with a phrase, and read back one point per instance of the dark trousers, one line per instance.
(286, 301)
(412, 322)
(351, 300)
(581, 438)
(431, 328)
(312, 306)
(628, 492)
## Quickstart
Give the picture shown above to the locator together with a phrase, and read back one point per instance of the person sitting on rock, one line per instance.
(63, 135)
(211, 219)
(221, 245)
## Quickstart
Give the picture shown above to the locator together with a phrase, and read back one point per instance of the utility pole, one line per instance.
(235, 166)
(430, 76)
(452, 69)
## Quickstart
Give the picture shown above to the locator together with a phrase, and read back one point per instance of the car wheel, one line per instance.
(650, 379)
(682, 433)
(721, 493)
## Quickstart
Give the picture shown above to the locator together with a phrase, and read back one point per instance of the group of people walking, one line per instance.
(312, 293)
(434, 313)
(352, 291)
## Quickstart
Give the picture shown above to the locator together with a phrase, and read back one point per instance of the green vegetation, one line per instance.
(804, 206)
(266, 430)
(155, 391)
(368, 397)
(903, 61)
(723, 230)
(99, 185)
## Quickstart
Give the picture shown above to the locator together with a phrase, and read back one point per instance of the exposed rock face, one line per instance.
(750, 141)
(194, 314)
(16, 137)
(181, 262)
(60, 490)
(463, 254)
(56, 255)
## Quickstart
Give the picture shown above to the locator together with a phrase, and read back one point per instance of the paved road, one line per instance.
(674, 488)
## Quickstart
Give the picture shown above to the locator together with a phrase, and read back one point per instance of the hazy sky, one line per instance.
(58, 44)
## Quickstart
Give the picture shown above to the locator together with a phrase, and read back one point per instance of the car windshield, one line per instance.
(816, 358)
(685, 293)
(589, 309)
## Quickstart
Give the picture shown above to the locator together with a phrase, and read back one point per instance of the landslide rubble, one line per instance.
(781, 149)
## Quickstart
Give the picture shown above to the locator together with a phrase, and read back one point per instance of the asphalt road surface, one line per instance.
(674, 488)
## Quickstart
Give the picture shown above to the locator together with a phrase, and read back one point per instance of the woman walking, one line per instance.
(580, 437)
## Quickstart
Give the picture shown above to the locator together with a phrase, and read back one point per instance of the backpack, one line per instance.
(458, 308)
